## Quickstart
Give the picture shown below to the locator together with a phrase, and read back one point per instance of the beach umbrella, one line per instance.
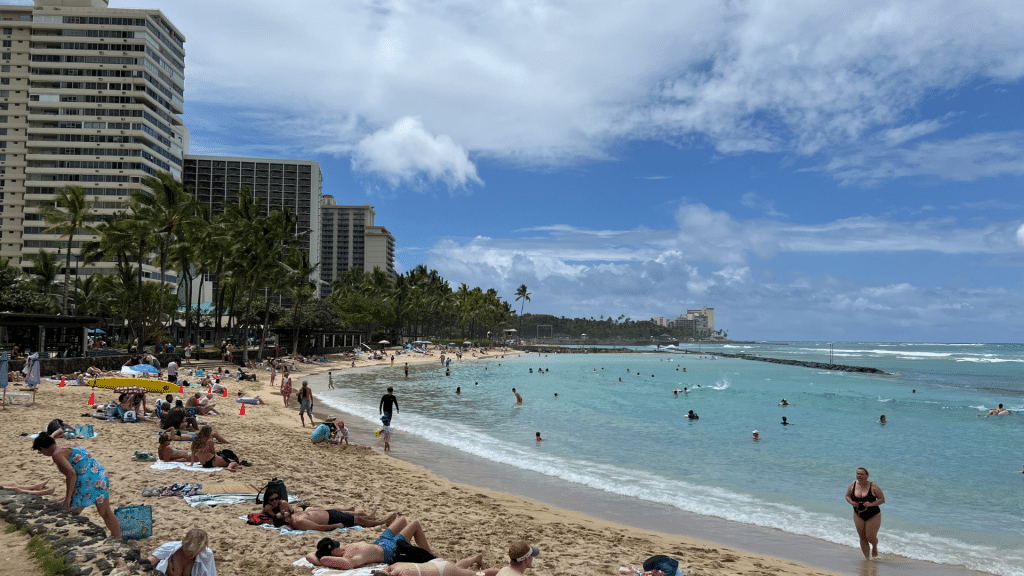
(467, 342)
(96, 331)
(451, 343)
(383, 342)
(144, 368)
(427, 342)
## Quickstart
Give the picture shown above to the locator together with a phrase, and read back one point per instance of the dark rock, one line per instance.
(78, 571)
(104, 565)
(68, 542)
(37, 529)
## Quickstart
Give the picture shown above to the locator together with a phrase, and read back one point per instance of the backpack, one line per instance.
(129, 416)
(275, 486)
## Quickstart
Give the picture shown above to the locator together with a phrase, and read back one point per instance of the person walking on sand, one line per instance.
(286, 387)
(866, 497)
(86, 480)
(305, 403)
(406, 369)
(519, 399)
(188, 353)
(520, 556)
(388, 401)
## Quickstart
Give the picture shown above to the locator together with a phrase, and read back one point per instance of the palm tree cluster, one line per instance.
(251, 256)
(244, 250)
(417, 304)
(621, 329)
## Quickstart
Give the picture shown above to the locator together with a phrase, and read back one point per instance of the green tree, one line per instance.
(44, 273)
(17, 293)
(522, 294)
(70, 214)
(164, 212)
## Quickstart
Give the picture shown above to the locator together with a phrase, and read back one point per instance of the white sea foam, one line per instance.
(709, 501)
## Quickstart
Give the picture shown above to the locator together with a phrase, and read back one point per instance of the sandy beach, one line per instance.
(459, 520)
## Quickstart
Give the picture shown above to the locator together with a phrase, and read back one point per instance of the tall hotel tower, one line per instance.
(89, 97)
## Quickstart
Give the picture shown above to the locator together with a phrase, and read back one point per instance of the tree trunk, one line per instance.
(67, 276)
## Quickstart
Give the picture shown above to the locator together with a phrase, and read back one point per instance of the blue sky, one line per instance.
(821, 170)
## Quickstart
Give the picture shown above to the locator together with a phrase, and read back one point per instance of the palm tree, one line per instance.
(44, 271)
(165, 211)
(76, 215)
(522, 294)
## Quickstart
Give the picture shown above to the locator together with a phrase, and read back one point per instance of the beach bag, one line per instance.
(275, 486)
(84, 431)
(136, 521)
(110, 410)
(129, 416)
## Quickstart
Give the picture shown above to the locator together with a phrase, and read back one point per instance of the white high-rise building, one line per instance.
(350, 240)
(90, 96)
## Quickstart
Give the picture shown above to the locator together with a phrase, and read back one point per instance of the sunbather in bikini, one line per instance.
(320, 518)
(169, 454)
(437, 567)
(392, 546)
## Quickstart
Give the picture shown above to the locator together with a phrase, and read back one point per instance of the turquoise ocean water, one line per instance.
(952, 480)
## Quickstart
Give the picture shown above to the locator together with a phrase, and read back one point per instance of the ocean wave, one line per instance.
(695, 498)
(990, 360)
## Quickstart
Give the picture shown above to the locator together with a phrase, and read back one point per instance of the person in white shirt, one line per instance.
(190, 556)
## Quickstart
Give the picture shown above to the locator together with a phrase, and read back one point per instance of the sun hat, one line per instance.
(667, 565)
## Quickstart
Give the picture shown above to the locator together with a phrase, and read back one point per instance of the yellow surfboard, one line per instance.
(151, 384)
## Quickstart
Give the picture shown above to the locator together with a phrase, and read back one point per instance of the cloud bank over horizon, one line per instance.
(711, 258)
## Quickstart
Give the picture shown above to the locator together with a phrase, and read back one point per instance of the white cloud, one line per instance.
(964, 159)
(552, 82)
(405, 153)
(753, 201)
(709, 259)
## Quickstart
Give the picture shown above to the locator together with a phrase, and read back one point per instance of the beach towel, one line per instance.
(289, 531)
(31, 370)
(161, 465)
(324, 571)
(226, 498)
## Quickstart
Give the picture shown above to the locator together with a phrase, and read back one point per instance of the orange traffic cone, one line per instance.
(92, 399)
(210, 390)
(63, 383)
(181, 389)
(225, 395)
(242, 411)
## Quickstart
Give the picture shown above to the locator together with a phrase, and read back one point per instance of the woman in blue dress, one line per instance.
(87, 483)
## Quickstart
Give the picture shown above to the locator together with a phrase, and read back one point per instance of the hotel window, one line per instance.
(7, 43)
(7, 56)
(8, 30)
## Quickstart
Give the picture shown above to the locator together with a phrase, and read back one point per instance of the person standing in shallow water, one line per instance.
(388, 401)
(866, 497)
(519, 399)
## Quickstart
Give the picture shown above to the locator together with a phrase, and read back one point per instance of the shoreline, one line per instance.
(460, 518)
(815, 553)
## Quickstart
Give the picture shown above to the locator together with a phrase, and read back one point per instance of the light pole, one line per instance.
(583, 342)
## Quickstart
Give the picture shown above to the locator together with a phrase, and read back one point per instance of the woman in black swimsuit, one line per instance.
(866, 497)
